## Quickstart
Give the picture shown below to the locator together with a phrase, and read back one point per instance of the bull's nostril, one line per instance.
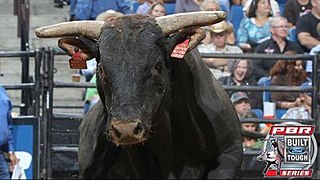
(138, 129)
(116, 132)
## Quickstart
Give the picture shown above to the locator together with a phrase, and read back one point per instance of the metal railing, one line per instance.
(30, 103)
(314, 89)
(265, 57)
(49, 85)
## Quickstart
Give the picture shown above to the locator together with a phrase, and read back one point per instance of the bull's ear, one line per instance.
(175, 39)
(82, 44)
(196, 35)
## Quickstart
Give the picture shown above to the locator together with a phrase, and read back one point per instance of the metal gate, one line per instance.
(61, 133)
(29, 120)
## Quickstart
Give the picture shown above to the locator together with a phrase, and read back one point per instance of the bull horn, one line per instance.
(174, 22)
(89, 29)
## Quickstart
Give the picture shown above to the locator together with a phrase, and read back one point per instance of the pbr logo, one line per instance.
(290, 149)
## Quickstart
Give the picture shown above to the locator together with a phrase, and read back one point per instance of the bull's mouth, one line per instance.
(127, 133)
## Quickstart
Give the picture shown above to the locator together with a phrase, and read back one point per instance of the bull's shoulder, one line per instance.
(202, 101)
(91, 127)
(96, 116)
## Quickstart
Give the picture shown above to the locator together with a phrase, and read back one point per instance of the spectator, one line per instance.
(240, 75)
(208, 5)
(131, 3)
(275, 10)
(144, 8)
(304, 110)
(242, 105)
(295, 9)
(187, 6)
(6, 136)
(218, 33)
(241, 102)
(308, 28)
(250, 133)
(224, 5)
(108, 14)
(287, 73)
(256, 28)
(157, 9)
(251, 127)
(89, 10)
(277, 44)
(194, 5)
(213, 5)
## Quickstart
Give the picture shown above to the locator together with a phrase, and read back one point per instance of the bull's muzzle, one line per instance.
(127, 132)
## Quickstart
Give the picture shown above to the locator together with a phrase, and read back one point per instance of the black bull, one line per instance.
(159, 117)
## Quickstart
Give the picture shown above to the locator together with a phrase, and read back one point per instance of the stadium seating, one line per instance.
(170, 8)
(265, 81)
(280, 113)
(258, 112)
(267, 98)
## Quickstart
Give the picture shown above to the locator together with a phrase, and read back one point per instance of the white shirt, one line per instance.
(211, 48)
(297, 113)
(91, 65)
(313, 51)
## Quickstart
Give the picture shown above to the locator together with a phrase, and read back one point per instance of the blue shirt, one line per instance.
(249, 32)
(6, 137)
(90, 9)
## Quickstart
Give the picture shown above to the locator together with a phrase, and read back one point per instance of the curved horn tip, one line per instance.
(173, 22)
(38, 32)
(222, 13)
(88, 28)
(41, 32)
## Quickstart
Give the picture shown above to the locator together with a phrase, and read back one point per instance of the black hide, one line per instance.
(194, 130)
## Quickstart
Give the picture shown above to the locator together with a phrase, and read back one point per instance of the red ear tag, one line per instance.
(180, 50)
(76, 61)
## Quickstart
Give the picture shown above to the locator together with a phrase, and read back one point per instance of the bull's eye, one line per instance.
(157, 76)
(158, 67)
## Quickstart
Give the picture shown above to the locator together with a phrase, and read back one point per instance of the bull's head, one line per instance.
(133, 73)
